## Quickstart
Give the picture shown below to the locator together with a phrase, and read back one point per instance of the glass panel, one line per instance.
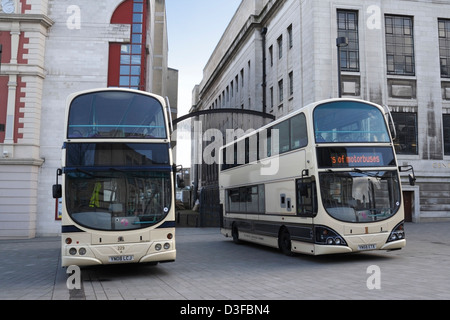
(406, 126)
(400, 43)
(137, 7)
(299, 133)
(137, 18)
(113, 200)
(125, 59)
(116, 154)
(137, 28)
(349, 122)
(447, 134)
(116, 114)
(136, 49)
(136, 38)
(124, 70)
(135, 70)
(284, 134)
(360, 196)
(444, 47)
(348, 27)
(134, 81)
(125, 48)
(136, 59)
(124, 81)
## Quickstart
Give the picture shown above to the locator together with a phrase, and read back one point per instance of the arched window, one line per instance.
(127, 61)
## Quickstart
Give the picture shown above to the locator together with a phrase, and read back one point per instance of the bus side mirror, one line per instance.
(412, 180)
(57, 191)
(412, 176)
(180, 182)
(57, 188)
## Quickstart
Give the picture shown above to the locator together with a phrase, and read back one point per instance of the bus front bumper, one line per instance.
(355, 245)
(118, 254)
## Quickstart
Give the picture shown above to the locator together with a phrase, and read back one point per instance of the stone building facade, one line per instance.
(282, 55)
(50, 49)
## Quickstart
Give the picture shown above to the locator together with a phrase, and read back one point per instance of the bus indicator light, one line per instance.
(68, 240)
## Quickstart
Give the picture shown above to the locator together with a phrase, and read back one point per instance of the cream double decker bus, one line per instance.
(117, 185)
(322, 180)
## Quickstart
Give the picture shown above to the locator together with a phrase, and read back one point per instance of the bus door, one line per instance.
(306, 191)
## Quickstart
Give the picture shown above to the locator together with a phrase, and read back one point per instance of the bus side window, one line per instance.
(306, 197)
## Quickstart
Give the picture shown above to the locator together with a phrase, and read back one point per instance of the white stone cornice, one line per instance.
(30, 18)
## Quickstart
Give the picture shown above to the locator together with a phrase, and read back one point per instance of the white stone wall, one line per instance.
(68, 51)
(313, 61)
(76, 59)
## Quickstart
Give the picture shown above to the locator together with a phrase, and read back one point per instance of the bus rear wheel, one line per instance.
(284, 242)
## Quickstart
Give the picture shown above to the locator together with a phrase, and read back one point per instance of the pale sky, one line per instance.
(194, 28)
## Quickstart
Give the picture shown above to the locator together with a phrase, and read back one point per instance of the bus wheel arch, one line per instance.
(284, 241)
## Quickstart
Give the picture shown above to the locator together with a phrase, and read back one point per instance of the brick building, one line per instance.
(50, 49)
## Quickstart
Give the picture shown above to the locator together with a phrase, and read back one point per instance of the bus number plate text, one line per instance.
(121, 258)
(364, 247)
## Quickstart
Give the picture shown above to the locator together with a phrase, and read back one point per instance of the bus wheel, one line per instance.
(284, 242)
(235, 234)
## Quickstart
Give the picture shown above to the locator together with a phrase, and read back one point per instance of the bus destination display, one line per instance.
(349, 157)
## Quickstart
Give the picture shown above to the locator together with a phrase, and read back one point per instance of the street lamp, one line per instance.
(340, 42)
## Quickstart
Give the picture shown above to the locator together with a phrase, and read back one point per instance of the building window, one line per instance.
(348, 27)
(444, 47)
(406, 126)
(280, 47)
(280, 91)
(271, 55)
(290, 38)
(291, 83)
(271, 98)
(127, 62)
(447, 134)
(400, 45)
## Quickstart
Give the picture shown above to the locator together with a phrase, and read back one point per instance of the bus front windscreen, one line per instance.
(349, 122)
(360, 196)
(116, 114)
(116, 200)
(117, 186)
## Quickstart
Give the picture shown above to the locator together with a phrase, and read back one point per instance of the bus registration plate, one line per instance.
(364, 247)
(121, 258)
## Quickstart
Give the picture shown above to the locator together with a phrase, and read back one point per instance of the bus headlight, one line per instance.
(82, 251)
(158, 247)
(398, 233)
(72, 251)
(327, 236)
(166, 246)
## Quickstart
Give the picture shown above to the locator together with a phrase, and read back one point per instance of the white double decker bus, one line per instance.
(322, 180)
(117, 185)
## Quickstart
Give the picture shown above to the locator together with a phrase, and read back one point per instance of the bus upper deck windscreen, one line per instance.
(115, 115)
(349, 122)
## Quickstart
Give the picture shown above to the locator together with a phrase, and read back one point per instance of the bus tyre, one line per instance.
(235, 234)
(284, 242)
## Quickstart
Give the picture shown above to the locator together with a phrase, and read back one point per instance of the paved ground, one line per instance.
(211, 267)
